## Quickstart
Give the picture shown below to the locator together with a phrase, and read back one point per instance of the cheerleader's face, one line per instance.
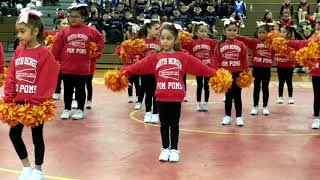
(262, 34)
(154, 31)
(231, 32)
(75, 18)
(64, 23)
(202, 32)
(26, 34)
(167, 40)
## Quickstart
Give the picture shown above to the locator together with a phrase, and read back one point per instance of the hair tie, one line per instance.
(175, 26)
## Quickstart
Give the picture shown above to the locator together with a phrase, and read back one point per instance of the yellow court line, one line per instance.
(133, 117)
(48, 177)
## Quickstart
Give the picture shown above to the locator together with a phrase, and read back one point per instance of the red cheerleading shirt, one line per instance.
(203, 49)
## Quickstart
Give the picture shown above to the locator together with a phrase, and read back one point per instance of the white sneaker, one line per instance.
(280, 100)
(254, 111)
(242, 25)
(147, 117)
(316, 124)
(74, 104)
(65, 114)
(290, 100)
(199, 107)
(56, 96)
(174, 155)
(239, 121)
(266, 111)
(25, 173)
(185, 99)
(130, 99)
(224, 99)
(36, 175)
(205, 106)
(155, 118)
(89, 105)
(164, 155)
(226, 120)
(78, 115)
(138, 106)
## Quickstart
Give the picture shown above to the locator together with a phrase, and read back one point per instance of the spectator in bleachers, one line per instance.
(126, 5)
(105, 25)
(115, 34)
(238, 19)
(176, 18)
(139, 6)
(185, 16)
(303, 11)
(147, 13)
(210, 18)
(197, 16)
(286, 20)
(267, 18)
(94, 21)
(239, 8)
(120, 9)
(5, 8)
(286, 7)
(222, 9)
(167, 10)
(140, 19)
(155, 7)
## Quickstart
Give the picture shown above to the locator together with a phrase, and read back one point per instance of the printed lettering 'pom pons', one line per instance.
(27, 114)
(221, 82)
(245, 79)
(131, 49)
(3, 76)
(116, 80)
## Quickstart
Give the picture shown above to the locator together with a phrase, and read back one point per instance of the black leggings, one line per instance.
(148, 86)
(185, 82)
(37, 137)
(89, 87)
(203, 83)
(285, 76)
(134, 80)
(169, 114)
(58, 88)
(261, 76)
(316, 92)
(77, 82)
(234, 94)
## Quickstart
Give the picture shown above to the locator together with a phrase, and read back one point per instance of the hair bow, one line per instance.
(199, 23)
(77, 5)
(135, 27)
(228, 21)
(24, 15)
(176, 26)
(261, 23)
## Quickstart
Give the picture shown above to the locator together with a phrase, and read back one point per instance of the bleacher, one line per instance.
(109, 59)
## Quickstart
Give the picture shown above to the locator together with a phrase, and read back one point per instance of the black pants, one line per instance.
(234, 94)
(185, 81)
(148, 86)
(169, 114)
(202, 82)
(37, 137)
(89, 87)
(285, 76)
(77, 82)
(316, 92)
(261, 76)
(58, 88)
(134, 80)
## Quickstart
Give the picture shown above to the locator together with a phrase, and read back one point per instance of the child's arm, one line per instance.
(47, 76)
(250, 42)
(99, 39)
(216, 60)
(144, 66)
(2, 58)
(10, 83)
(57, 47)
(244, 58)
(197, 68)
(297, 44)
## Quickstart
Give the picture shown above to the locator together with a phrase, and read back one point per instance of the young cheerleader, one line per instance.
(285, 70)
(37, 62)
(202, 47)
(262, 62)
(60, 24)
(232, 55)
(169, 66)
(150, 33)
(70, 48)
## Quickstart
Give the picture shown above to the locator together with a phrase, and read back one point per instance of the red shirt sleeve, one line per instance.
(2, 58)
(10, 83)
(98, 37)
(244, 57)
(297, 44)
(216, 60)
(58, 46)
(144, 66)
(250, 42)
(47, 76)
(197, 68)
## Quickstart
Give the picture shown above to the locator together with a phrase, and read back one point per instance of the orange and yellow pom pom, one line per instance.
(130, 49)
(185, 37)
(116, 80)
(3, 76)
(27, 114)
(245, 79)
(221, 82)
(306, 59)
(279, 44)
(92, 49)
(50, 40)
(270, 37)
